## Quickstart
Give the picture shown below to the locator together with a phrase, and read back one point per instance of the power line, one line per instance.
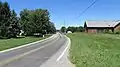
(88, 7)
(64, 23)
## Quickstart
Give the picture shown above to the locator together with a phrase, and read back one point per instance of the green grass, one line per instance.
(14, 42)
(95, 50)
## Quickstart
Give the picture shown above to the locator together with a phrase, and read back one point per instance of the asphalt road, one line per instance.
(33, 55)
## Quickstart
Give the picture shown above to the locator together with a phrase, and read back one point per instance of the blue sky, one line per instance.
(69, 10)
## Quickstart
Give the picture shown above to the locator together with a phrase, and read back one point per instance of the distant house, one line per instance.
(101, 26)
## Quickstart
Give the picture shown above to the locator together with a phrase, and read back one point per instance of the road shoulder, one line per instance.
(60, 59)
(18, 47)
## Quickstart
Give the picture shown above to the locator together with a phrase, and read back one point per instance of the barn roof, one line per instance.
(104, 23)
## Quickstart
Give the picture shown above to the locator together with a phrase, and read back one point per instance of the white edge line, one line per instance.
(17, 57)
(25, 45)
(24, 54)
(61, 55)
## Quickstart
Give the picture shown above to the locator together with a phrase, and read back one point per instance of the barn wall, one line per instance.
(98, 30)
(117, 27)
(92, 30)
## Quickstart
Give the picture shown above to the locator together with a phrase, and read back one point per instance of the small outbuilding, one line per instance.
(101, 26)
(69, 32)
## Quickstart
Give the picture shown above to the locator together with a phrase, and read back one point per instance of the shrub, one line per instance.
(108, 31)
(1, 37)
(117, 32)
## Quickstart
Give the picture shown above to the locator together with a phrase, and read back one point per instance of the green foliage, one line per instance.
(4, 18)
(36, 21)
(14, 28)
(75, 29)
(8, 21)
(72, 29)
(81, 29)
(63, 29)
(117, 32)
(51, 28)
(31, 22)
(95, 50)
(107, 31)
(14, 42)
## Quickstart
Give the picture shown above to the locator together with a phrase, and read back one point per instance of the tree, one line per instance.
(72, 29)
(26, 22)
(63, 29)
(9, 24)
(81, 29)
(14, 28)
(51, 28)
(75, 29)
(36, 21)
(5, 16)
(1, 6)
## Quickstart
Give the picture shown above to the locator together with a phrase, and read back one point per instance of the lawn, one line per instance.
(95, 50)
(14, 42)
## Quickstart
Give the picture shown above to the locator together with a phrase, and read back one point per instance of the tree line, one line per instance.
(32, 22)
(72, 29)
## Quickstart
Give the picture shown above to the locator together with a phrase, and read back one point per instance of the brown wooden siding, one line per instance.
(117, 27)
(98, 30)
(92, 31)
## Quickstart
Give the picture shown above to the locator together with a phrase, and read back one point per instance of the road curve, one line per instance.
(33, 55)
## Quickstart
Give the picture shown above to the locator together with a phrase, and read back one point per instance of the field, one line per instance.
(14, 42)
(95, 50)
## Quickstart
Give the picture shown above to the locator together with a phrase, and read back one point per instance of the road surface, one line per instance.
(33, 55)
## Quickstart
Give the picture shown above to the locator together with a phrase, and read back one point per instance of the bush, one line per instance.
(1, 37)
(108, 31)
(117, 32)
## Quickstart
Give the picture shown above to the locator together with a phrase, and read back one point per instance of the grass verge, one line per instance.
(95, 50)
(14, 42)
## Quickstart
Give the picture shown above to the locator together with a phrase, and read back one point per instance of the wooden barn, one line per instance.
(101, 26)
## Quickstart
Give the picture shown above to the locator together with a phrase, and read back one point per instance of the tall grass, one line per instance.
(95, 50)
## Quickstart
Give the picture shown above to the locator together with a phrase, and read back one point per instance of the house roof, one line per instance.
(104, 23)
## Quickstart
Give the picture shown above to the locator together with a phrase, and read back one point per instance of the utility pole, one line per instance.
(65, 26)
(64, 23)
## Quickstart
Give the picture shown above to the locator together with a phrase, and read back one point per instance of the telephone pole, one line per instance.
(65, 26)
(64, 23)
